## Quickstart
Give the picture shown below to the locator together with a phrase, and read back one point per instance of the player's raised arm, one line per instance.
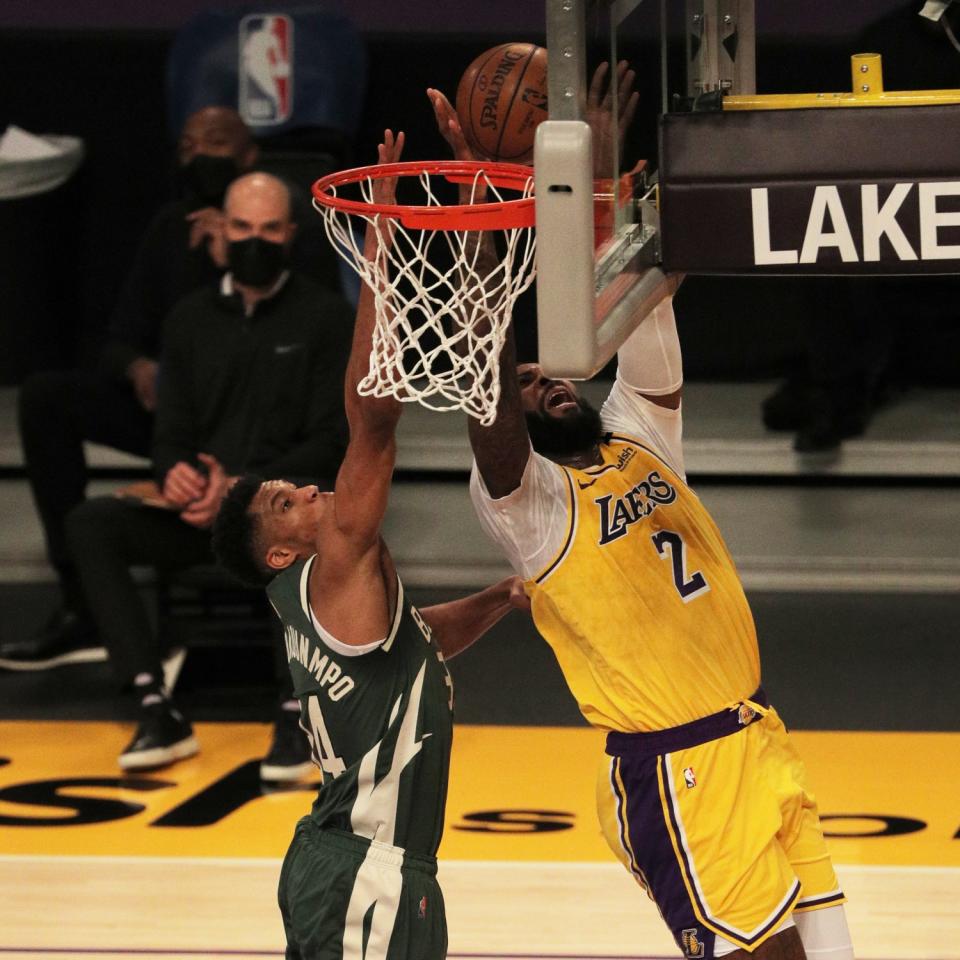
(649, 362)
(363, 482)
(501, 450)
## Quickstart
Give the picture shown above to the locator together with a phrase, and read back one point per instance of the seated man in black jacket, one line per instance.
(114, 404)
(251, 379)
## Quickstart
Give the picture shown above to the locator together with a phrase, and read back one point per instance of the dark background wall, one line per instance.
(95, 69)
(804, 18)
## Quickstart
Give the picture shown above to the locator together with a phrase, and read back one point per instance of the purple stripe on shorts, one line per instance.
(805, 903)
(734, 935)
(654, 856)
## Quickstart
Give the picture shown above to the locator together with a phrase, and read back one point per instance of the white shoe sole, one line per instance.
(277, 774)
(160, 755)
(87, 655)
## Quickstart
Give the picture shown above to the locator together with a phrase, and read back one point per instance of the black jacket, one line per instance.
(164, 270)
(262, 394)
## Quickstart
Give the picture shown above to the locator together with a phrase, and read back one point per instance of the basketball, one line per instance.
(501, 99)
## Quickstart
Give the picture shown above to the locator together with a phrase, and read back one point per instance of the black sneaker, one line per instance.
(162, 737)
(289, 756)
(64, 638)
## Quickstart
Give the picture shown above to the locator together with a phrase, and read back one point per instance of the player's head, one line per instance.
(258, 228)
(561, 423)
(215, 147)
(264, 526)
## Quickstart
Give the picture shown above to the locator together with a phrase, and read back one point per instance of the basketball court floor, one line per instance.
(183, 862)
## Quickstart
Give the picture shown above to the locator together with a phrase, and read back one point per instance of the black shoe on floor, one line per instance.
(289, 756)
(64, 638)
(162, 737)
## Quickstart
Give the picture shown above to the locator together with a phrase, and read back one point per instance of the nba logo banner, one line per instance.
(266, 69)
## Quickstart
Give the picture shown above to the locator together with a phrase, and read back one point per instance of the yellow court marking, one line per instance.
(516, 794)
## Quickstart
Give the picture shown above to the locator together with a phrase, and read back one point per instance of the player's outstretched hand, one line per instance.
(599, 113)
(448, 123)
(379, 236)
(390, 151)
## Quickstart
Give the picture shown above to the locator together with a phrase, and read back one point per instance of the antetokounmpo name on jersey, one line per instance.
(326, 672)
(617, 514)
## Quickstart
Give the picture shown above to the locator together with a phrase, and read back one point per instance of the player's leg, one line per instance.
(293, 951)
(825, 933)
(343, 898)
(698, 828)
(819, 913)
(785, 945)
(420, 926)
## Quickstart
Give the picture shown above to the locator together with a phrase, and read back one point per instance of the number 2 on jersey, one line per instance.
(320, 744)
(670, 545)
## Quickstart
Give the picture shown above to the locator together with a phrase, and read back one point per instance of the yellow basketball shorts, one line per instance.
(716, 821)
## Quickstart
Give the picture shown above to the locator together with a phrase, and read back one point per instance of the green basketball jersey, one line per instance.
(379, 719)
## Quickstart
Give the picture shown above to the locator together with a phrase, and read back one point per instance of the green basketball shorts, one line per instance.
(343, 897)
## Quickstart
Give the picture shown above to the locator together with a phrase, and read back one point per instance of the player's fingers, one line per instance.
(626, 88)
(597, 82)
(436, 99)
(439, 100)
(518, 596)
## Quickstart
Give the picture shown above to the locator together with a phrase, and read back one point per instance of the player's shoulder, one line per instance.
(285, 588)
(628, 415)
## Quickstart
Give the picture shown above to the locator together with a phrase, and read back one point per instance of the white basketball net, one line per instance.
(439, 329)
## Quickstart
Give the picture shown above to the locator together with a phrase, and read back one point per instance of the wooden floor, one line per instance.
(184, 862)
(106, 907)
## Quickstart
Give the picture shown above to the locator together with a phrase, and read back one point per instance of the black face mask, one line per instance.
(255, 262)
(204, 180)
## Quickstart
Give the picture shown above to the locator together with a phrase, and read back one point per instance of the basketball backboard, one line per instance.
(597, 229)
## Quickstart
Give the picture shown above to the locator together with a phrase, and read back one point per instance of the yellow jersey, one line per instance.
(642, 605)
